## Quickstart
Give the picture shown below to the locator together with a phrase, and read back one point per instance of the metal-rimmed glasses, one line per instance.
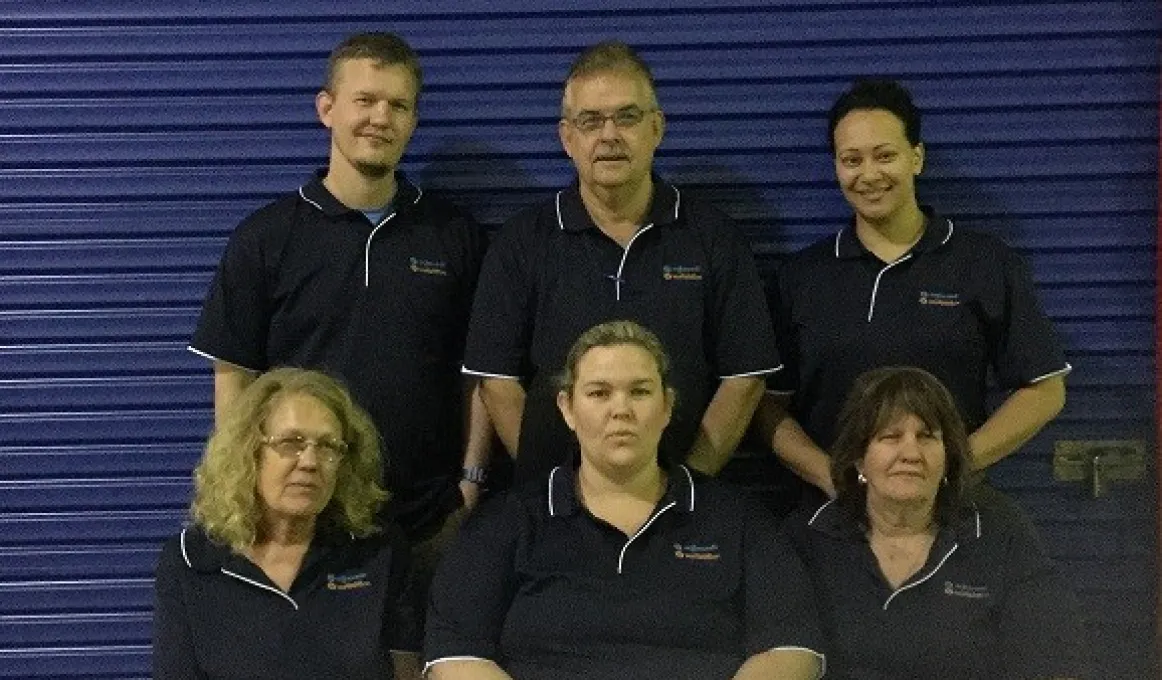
(328, 450)
(624, 118)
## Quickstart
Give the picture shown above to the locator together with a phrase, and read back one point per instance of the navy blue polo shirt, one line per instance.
(687, 275)
(557, 593)
(987, 604)
(308, 282)
(956, 304)
(217, 615)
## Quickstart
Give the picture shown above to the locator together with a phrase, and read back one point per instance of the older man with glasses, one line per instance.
(620, 243)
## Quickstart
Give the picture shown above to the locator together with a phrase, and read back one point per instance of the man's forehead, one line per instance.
(608, 89)
(368, 71)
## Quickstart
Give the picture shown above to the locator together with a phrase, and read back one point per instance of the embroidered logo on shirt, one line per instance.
(965, 590)
(680, 272)
(349, 581)
(928, 297)
(693, 551)
(431, 267)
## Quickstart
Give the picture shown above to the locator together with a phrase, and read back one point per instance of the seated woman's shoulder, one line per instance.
(997, 510)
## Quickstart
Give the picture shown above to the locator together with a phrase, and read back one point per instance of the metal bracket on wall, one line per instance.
(1099, 462)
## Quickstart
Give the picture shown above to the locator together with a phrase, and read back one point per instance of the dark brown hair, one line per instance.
(878, 398)
(383, 48)
(876, 95)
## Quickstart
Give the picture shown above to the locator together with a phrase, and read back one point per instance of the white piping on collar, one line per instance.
(677, 206)
(252, 582)
(624, 256)
(552, 509)
(185, 555)
(947, 237)
(304, 196)
(419, 194)
(871, 307)
(621, 556)
(926, 576)
(367, 250)
(689, 478)
(819, 511)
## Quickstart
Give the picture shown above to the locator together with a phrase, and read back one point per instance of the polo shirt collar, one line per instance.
(938, 232)
(316, 193)
(572, 215)
(202, 554)
(836, 521)
(563, 500)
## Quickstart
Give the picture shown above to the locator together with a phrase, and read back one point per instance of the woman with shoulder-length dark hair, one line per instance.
(916, 578)
(902, 285)
(284, 572)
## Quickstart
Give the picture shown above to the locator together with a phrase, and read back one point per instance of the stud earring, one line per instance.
(861, 478)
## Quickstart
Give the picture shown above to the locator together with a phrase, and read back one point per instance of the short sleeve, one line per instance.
(473, 586)
(235, 319)
(499, 334)
(780, 600)
(1025, 346)
(401, 622)
(743, 340)
(779, 299)
(173, 642)
(1040, 624)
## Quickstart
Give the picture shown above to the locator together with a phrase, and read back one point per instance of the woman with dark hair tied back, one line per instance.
(902, 285)
(619, 564)
(283, 573)
(915, 577)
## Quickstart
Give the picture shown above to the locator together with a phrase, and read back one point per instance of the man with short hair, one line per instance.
(362, 274)
(619, 244)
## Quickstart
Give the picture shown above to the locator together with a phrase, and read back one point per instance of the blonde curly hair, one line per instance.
(226, 503)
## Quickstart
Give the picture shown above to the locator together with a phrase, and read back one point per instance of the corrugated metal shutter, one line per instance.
(133, 136)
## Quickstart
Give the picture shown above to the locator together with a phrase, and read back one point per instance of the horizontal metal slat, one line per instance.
(93, 596)
(84, 495)
(171, 255)
(122, 526)
(113, 628)
(122, 392)
(54, 661)
(76, 560)
(138, 426)
(73, 219)
(93, 326)
(94, 291)
(100, 460)
(63, 360)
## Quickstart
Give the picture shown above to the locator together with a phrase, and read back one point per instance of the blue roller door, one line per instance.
(133, 136)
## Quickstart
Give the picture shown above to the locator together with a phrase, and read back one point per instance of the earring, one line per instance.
(944, 481)
(861, 478)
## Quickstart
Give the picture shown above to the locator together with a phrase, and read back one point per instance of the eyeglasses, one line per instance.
(623, 119)
(329, 451)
